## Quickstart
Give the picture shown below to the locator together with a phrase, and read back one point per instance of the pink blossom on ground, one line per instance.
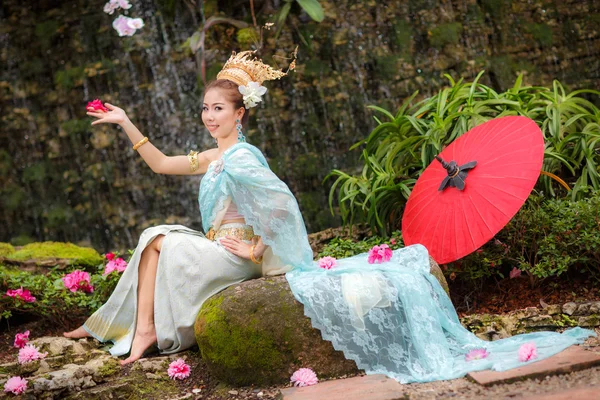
(30, 353)
(515, 273)
(379, 254)
(327, 262)
(78, 280)
(527, 352)
(122, 27)
(476, 354)
(22, 294)
(118, 265)
(304, 377)
(110, 256)
(15, 385)
(21, 339)
(179, 369)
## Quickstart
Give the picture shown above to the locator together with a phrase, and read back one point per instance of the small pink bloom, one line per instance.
(30, 353)
(304, 377)
(515, 273)
(118, 265)
(392, 241)
(110, 256)
(135, 23)
(124, 4)
(380, 254)
(15, 385)
(476, 354)
(179, 369)
(22, 294)
(21, 339)
(527, 352)
(111, 6)
(122, 27)
(327, 262)
(78, 280)
(96, 105)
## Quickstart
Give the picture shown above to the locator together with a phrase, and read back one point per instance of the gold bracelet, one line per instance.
(254, 260)
(193, 158)
(140, 143)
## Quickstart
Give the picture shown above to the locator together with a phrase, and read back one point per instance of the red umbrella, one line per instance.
(477, 185)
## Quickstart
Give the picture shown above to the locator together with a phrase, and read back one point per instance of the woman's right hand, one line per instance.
(114, 115)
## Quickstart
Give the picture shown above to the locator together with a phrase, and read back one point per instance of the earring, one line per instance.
(238, 126)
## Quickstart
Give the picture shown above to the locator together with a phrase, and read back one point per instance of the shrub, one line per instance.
(341, 248)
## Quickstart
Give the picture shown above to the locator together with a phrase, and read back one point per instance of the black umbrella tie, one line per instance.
(456, 175)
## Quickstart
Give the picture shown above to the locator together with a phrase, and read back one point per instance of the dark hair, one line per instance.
(231, 92)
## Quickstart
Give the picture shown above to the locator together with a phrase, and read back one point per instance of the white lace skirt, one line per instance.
(191, 269)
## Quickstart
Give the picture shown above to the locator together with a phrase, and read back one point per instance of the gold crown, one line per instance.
(243, 67)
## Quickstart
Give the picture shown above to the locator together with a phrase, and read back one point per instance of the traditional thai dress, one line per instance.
(392, 318)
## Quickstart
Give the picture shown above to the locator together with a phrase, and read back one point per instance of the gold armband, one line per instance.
(193, 158)
(140, 143)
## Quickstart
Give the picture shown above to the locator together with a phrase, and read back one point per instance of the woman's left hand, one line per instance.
(236, 246)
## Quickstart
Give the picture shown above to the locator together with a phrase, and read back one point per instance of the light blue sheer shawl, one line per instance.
(392, 318)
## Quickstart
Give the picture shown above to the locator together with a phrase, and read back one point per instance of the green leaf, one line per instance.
(313, 9)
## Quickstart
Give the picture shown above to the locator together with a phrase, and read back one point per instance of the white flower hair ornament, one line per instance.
(252, 93)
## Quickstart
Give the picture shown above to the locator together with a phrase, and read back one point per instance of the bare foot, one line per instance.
(143, 339)
(77, 333)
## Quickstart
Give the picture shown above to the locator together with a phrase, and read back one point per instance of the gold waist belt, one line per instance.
(243, 233)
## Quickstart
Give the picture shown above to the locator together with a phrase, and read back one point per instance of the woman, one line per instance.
(392, 318)
(244, 207)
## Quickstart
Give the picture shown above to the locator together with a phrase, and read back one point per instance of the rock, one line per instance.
(257, 333)
(569, 308)
(49, 254)
(595, 307)
(589, 321)
(553, 309)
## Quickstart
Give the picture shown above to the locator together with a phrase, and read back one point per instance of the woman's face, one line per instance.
(219, 114)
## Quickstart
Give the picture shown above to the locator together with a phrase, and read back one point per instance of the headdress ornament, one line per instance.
(249, 72)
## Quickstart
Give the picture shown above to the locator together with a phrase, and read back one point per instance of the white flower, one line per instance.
(111, 6)
(124, 4)
(122, 26)
(252, 93)
(135, 23)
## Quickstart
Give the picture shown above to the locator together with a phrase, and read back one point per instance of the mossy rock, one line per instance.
(257, 333)
(54, 253)
(6, 249)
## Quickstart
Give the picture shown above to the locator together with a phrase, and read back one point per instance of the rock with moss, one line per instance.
(257, 333)
(53, 253)
(6, 249)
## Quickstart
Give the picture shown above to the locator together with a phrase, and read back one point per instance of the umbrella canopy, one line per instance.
(477, 185)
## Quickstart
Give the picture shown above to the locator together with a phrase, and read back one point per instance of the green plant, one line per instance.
(342, 248)
(402, 145)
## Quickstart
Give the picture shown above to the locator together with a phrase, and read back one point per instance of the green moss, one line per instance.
(110, 367)
(35, 172)
(6, 249)
(445, 34)
(496, 8)
(568, 321)
(247, 36)
(386, 66)
(80, 255)
(77, 126)
(232, 349)
(403, 38)
(542, 33)
(68, 78)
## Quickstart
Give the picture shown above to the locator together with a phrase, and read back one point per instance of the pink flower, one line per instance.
(135, 23)
(527, 352)
(22, 294)
(122, 27)
(380, 254)
(179, 369)
(327, 262)
(16, 385)
(110, 256)
(392, 241)
(78, 280)
(476, 354)
(111, 6)
(118, 265)
(30, 353)
(96, 105)
(515, 273)
(124, 4)
(21, 339)
(304, 377)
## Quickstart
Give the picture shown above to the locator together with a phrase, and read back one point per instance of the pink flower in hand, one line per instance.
(515, 273)
(527, 352)
(476, 354)
(15, 385)
(118, 265)
(327, 262)
(22, 294)
(78, 280)
(96, 105)
(30, 353)
(21, 339)
(304, 377)
(179, 369)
